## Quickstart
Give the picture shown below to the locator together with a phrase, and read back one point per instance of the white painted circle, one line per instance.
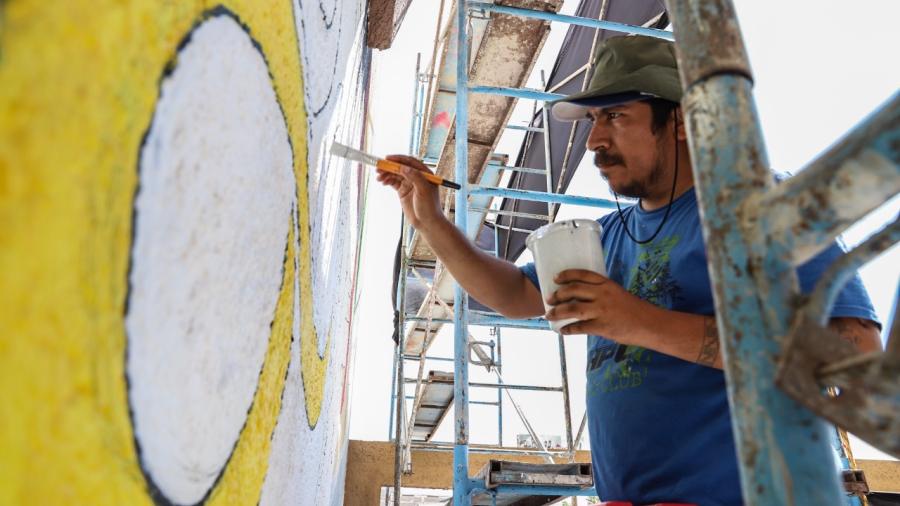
(211, 221)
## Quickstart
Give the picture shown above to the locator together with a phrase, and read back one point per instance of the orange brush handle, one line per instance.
(394, 168)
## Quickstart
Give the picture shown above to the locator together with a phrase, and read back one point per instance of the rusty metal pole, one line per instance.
(567, 408)
(783, 449)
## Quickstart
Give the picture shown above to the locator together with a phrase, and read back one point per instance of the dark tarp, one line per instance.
(573, 55)
(881, 499)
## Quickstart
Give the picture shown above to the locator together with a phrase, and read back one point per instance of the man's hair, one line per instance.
(661, 110)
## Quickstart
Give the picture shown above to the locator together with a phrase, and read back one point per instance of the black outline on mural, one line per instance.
(309, 102)
(156, 494)
(312, 426)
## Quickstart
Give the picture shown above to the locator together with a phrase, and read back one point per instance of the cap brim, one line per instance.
(576, 107)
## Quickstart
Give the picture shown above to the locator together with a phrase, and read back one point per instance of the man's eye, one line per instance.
(613, 115)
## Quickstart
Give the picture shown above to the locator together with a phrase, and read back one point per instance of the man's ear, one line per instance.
(679, 120)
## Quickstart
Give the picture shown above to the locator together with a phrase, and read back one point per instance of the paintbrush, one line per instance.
(356, 155)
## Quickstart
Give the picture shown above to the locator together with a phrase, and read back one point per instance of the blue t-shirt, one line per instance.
(660, 426)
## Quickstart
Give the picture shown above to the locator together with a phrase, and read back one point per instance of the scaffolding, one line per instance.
(777, 368)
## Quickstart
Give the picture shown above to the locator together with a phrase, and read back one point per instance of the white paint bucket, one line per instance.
(569, 244)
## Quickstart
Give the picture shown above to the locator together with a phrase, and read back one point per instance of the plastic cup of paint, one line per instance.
(568, 244)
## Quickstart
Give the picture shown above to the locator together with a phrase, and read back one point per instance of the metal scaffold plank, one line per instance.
(437, 396)
(505, 49)
(572, 20)
(510, 483)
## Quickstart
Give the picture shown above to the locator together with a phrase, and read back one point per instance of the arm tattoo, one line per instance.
(709, 346)
(856, 331)
(843, 328)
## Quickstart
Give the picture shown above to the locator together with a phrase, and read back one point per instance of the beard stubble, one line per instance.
(635, 188)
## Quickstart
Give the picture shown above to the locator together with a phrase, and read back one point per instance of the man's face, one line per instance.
(630, 156)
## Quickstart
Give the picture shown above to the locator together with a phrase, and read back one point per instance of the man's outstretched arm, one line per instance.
(494, 282)
(607, 309)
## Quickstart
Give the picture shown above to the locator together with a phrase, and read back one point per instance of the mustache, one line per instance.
(604, 158)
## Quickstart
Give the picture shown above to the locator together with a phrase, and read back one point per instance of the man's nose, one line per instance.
(598, 138)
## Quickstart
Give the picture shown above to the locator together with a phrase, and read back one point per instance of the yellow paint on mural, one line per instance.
(243, 478)
(79, 83)
(312, 367)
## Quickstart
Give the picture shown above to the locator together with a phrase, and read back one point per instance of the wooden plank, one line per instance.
(881, 475)
(370, 465)
(384, 20)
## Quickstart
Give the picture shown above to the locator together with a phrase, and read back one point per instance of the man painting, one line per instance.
(658, 416)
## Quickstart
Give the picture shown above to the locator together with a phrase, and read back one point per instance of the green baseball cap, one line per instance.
(628, 68)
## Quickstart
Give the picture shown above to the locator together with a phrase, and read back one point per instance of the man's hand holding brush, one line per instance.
(419, 197)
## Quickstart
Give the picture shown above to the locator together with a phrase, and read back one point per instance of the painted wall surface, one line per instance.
(178, 250)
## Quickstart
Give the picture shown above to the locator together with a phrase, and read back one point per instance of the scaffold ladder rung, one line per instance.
(522, 169)
(525, 128)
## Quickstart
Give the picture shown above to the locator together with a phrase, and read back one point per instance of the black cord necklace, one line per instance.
(668, 207)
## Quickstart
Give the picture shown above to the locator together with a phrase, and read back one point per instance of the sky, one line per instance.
(819, 68)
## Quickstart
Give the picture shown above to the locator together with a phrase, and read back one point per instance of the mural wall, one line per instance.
(178, 250)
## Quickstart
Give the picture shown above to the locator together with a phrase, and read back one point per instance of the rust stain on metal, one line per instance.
(718, 39)
(462, 432)
(385, 17)
(864, 405)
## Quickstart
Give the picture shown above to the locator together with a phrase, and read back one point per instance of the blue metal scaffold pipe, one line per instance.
(460, 307)
(536, 196)
(572, 20)
(420, 115)
(525, 128)
(393, 395)
(499, 363)
(397, 382)
(784, 450)
(490, 320)
(413, 127)
(544, 490)
(525, 93)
